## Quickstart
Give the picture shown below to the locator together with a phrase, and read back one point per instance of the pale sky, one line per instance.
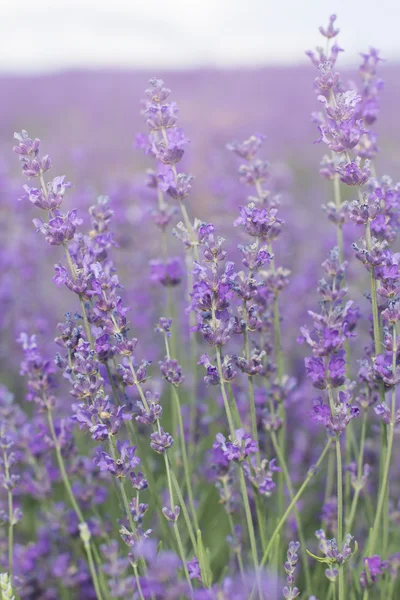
(51, 35)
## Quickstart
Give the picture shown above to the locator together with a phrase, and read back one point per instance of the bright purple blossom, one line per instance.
(238, 448)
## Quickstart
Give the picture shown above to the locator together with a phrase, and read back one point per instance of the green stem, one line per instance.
(145, 404)
(135, 439)
(377, 347)
(253, 415)
(331, 593)
(185, 457)
(294, 502)
(286, 474)
(250, 528)
(385, 476)
(338, 204)
(340, 513)
(73, 501)
(112, 383)
(149, 476)
(234, 409)
(348, 432)
(63, 471)
(190, 229)
(82, 302)
(391, 588)
(186, 469)
(224, 396)
(330, 476)
(339, 474)
(375, 313)
(92, 568)
(354, 503)
(185, 511)
(10, 520)
(245, 498)
(279, 373)
(239, 550)
(137, 578)
(102, 577)
(259, 501)
(176, 528)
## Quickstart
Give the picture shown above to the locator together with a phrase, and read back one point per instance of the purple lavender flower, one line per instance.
(261, 476)
(373, 566)
(330, 31)
(343, 413)
(258, 222)
(150, 412)
(167, 273)
(161, 441)
(121, 466)
(101, 418)
(290, 591)
(171, 371)
(238, 448)
(352, 174)
(194, 569)
(249, 148)
(212, 377)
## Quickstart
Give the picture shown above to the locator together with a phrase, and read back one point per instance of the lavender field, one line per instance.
(199, 352)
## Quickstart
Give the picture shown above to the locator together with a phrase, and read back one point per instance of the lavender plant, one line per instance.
(175, 448)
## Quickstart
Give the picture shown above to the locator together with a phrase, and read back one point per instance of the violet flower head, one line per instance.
(101, 418)
(167, 273)
(290, 591)
(172, 371)
(343, 413)
(138, 481)
(8, 458)
(333, 557)
(249, 148)
(373, 566)
(151, 411)
(161, 441)
(261, 476)
(383, 368)
(28, 153)
(166, 144)
(353, 173)
(258, 222)
(237, 449)
(164, 326)
(212, 376)
(194, 569)
(54, 197)
(330, 31)
(121, 466)
(39, 371)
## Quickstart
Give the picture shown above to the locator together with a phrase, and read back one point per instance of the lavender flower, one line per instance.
(236, 449)
(290, 592)
(121, 466)
(373, 566)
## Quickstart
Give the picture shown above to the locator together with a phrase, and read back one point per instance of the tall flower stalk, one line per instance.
(166, 144)
(327, 371)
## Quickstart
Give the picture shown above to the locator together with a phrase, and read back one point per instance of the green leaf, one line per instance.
(203, 556)
(321, 559)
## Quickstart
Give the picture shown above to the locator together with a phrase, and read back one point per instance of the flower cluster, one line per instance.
(290, 592)
(333, 326)
(236, 449)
